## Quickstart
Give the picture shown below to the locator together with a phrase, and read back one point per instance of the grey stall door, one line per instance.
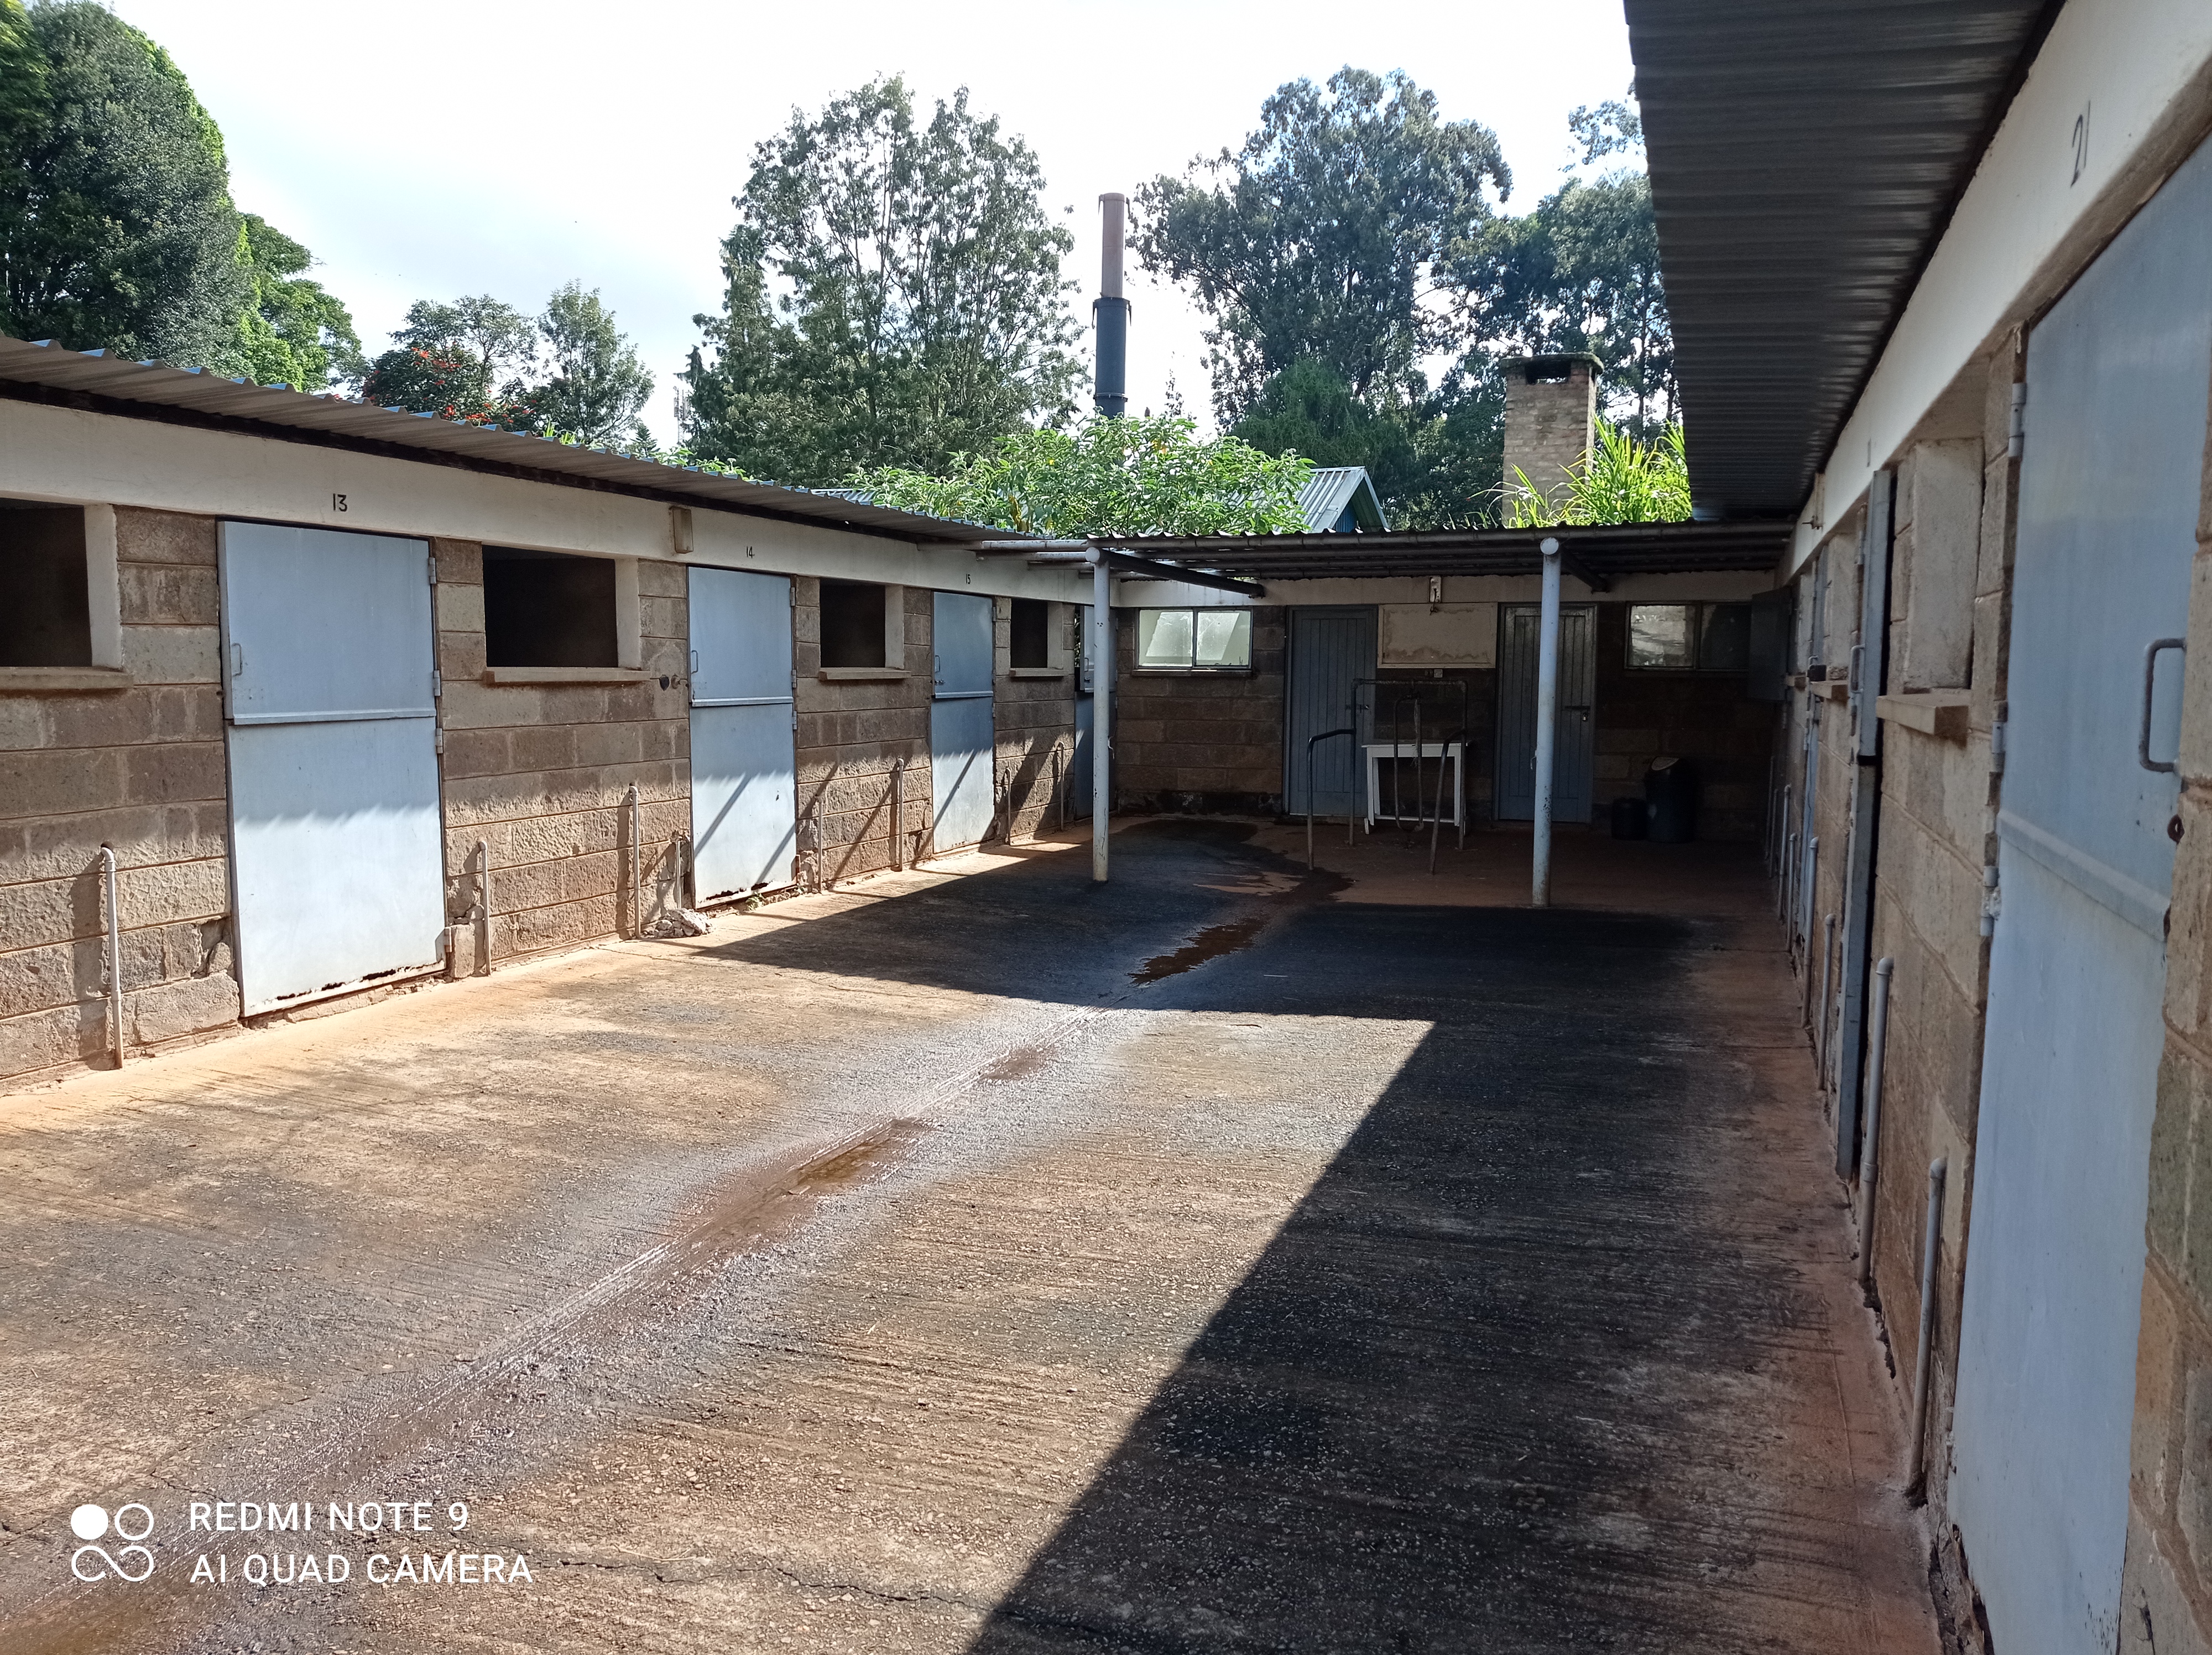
(2108, 501)
(744, 770)
(1331, 650)
(963, 798)
(1520, 630)
(332, 732)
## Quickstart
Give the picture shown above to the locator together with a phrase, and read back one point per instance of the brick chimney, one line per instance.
(1551, 414)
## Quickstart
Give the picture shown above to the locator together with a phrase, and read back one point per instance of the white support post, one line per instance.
(1102, 722)
(1548, 720)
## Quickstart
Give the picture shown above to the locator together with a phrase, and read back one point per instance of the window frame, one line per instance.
(105, 667)
(1702, 611)
(1192, 668)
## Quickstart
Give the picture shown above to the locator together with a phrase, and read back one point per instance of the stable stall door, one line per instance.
(1332, 650)
(745, 781)
(1520, 632)
(332, 730)
(962, 797)
(2109, 481)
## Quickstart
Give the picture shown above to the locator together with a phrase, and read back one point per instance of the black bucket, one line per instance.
(1670, 790)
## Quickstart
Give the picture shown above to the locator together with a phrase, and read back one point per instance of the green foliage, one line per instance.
(1326, 234)
(465, 362)
(1621, 480)
(292, 332)
(893, 295)
(117, 229)
(1580, 273)
(1127, 476)
(598, 384)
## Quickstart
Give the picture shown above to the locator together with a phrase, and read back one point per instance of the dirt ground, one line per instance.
(1224, 1259)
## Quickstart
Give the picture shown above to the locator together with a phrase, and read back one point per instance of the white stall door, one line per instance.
(335, 840)
(745, 781)
(962, 788)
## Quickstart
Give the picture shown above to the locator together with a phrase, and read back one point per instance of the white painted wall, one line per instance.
(2138, 71)
(67, 454)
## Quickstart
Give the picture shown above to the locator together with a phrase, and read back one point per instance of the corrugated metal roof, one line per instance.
(1805, 159)
(1328, 489)
(122, 386)
(1610, 551)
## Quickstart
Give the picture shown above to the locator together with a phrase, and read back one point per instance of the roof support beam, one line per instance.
(1580, 570)
(1147, 569)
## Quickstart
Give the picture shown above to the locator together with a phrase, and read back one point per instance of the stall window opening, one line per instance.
(45, 607)
(1194, 640)
(1689, 638)
(549, 609)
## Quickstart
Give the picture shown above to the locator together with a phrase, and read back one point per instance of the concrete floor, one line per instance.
(1223, 1260)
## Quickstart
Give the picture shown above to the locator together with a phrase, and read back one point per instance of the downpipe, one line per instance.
(114, 953)
(1870, 1156)
(1916, 1489)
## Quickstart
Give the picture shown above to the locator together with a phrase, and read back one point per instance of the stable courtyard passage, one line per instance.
(1226, 1258)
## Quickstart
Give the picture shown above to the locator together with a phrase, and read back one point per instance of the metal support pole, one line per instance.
(1820, 1029)
(114, 952)
(898, 816)
(1782, 855)
(1101, 721)
(1808, 882)
(1869, 1160)
(637, 829)
(484, 908)
(1547, 718)
(1915, 1472)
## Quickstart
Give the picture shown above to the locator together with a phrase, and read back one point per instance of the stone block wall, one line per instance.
(1035, 721)
(142, 769)
(539, 772)
(1704, 717)
(2167, 1596)
(851, 736)
(1200, 741)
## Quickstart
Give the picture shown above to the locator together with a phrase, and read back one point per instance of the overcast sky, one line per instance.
(426, 149)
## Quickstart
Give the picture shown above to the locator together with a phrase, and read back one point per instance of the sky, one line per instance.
(429, 149)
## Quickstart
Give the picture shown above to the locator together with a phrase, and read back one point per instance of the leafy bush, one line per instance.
(1620, 480)
(1124, 476)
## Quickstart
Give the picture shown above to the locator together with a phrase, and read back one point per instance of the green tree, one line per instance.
(114, 194)
(1125, 476)
(893, 295)
(1580, 273)
(598, 384)
(1621, 480)
(1327, 234)
(292, 332)
(468, 361)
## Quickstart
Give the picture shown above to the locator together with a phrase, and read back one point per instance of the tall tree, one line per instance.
(114, 195)
(598, 384)
(292, 332)
(1327, 234)
(893, 295)
(467, 361)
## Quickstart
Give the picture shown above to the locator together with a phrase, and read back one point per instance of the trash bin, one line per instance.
(1670, 790)
(1629, 815)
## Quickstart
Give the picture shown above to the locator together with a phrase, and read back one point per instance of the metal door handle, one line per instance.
(2150, 673)
(238, 661)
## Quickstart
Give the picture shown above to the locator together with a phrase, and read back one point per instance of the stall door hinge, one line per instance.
(1992, 900)
(437, 684)
(1997, 748)
(434, 569)
(2016, 438)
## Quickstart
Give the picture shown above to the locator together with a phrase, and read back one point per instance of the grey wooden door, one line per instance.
(1331, 650)
(1520, 628)
(744, 784)
(963, 796)
(332, 730)
(2109, 489)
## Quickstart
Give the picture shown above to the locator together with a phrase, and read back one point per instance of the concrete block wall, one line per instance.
(2166, 1595)
(1208, 742)
(142, 769)
(851, 736)
(539, 772)
(1035, 721)
(1704, 717)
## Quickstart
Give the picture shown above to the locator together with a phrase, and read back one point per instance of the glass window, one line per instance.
(1194, 640)
(1662, 636)
(1686, 637)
